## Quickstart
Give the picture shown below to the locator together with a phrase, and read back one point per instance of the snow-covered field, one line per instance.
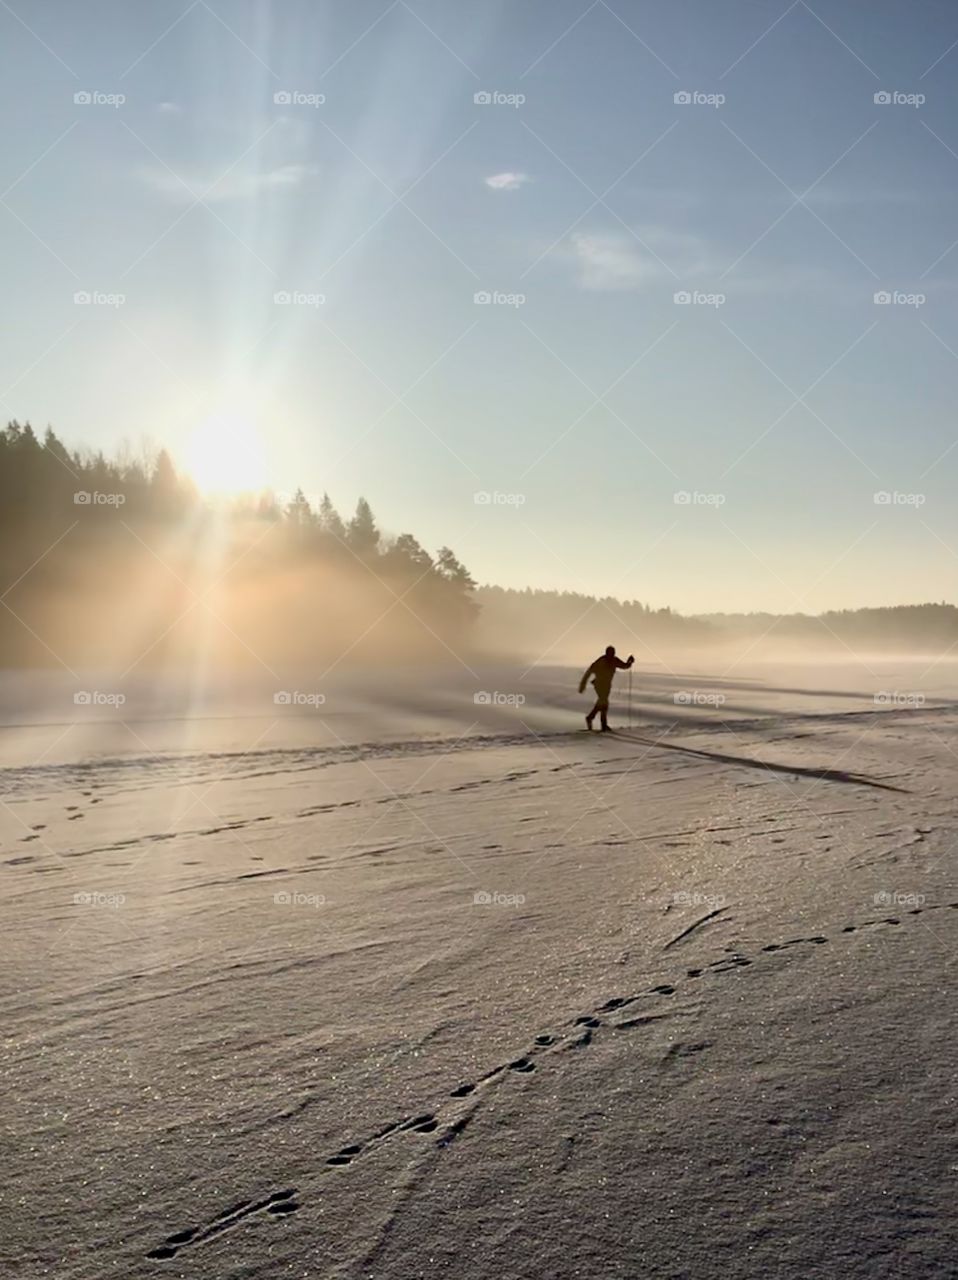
(408, 985)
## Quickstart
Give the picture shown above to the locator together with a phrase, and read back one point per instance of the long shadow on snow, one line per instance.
(827, 775)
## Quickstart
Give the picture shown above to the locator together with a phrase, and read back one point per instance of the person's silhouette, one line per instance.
(602, 672)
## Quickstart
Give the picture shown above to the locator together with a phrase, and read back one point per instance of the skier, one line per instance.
(602, 672)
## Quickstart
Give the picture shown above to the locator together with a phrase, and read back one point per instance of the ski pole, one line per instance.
(630, 697)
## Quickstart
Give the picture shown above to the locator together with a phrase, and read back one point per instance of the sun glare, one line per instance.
(225, 454)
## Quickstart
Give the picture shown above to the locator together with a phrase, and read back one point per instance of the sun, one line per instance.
(225, 453)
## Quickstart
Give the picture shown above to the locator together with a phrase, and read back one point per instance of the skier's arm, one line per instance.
(624, 666)
(583, 681)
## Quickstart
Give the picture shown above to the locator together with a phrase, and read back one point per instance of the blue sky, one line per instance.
(584, 197)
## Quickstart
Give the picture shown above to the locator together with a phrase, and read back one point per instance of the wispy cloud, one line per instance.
(617, 260)
(507, 181)
(235, 186)
(611, 262)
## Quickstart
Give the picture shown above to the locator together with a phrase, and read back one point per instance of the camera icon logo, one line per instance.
(82, 498)
(683, 298)
(83, 98)
(283, 298)
(283, 98)
(482, 98)
(82, 699)
(682, 98)
(883, 298)
(282, 698)
(482, 699)
(482, 898)
(882, 98)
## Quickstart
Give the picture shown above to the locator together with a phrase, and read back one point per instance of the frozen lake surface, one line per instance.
(402, 984)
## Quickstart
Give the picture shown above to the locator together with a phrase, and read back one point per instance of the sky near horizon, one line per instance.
(654, 300)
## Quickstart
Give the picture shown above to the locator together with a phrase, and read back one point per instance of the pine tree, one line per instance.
(407, 554)
(299, 513)
(453, 570)
(330, 521)
(362, 536)
(165, 495)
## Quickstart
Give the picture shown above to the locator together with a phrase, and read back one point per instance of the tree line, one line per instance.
(97, 553)
(82, 534)
(559, 624)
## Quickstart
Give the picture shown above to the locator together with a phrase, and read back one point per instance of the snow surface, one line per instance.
(700, 1022)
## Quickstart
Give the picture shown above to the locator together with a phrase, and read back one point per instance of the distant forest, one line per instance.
(111, 561)
(120, 563)
(559, 624)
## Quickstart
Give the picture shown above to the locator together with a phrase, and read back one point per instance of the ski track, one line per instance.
(403, 799)
(139, 773)
(451, 1117)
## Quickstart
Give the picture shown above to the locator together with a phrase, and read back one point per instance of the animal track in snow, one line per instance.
(278, 1204)
(450, 1120)
(794, 942)
(686, 1050)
